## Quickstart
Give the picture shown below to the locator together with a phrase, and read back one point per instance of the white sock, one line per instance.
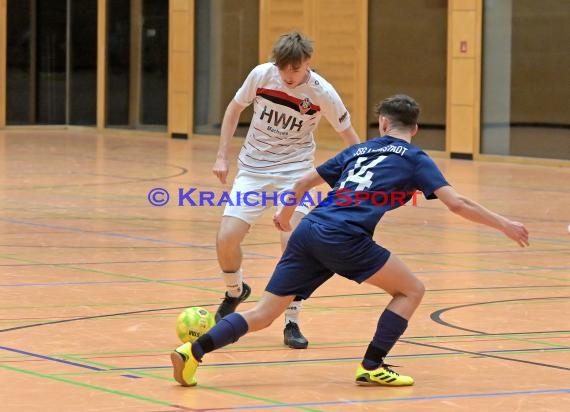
(292, 312)
(234, 283)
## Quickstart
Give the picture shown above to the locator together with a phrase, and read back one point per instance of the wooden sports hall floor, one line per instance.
(92, 278)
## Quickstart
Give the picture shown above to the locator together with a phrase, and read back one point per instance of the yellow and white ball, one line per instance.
(193, 322)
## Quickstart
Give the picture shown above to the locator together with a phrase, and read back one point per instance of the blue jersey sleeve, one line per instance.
(428, 177)
(331, 170)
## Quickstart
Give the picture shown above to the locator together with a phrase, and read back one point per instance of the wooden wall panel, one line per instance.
(462, 4)
(181, 67)
(409, 58)
(179, 75)
(101, 63)
(462, 129)
(181, 5)
(340, 34)
(233, 54)
(3, 13)
(464, 26)
(180, 41)
(464, 77)
(540, 62)
(277, 17)
(462, 86)
(178, 118)
(339, 30)
(135, 58)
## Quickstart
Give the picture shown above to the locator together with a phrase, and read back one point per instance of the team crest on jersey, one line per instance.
(305, 105)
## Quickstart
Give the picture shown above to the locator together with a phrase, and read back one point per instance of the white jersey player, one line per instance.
(288, 101)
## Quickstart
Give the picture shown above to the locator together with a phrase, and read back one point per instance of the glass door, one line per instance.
(52, 63)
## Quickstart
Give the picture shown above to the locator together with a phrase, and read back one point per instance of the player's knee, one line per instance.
(231, 233)
(417, 291)
(227, 239)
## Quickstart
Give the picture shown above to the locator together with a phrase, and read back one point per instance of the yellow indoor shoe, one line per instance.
(383, 376)
(184, 365)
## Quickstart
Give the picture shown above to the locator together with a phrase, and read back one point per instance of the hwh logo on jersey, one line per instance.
(281, 119)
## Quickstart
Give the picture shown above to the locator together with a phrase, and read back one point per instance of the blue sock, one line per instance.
(390, 327)
(228, 330)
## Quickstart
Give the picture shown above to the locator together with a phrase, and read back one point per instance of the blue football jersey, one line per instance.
(371, 178)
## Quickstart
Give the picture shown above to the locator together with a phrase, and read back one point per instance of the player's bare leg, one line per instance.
(407, 292)
(228, 247)
(292, 335)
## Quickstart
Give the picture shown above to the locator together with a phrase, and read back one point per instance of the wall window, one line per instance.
(526, 78)
(226, 50)
(407, 53)
(51, 62)
(137, 64)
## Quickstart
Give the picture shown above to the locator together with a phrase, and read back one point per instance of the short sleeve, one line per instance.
(427, 176)
(331, 170)
(335, 111)
(247, 92)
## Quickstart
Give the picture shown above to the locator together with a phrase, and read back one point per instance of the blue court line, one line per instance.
(114, 282)
(49, 358)
(452, 352)
(427, 272)
(322, 403)
(403, 399)
(66, 362)
(320, 360)
(103, 262)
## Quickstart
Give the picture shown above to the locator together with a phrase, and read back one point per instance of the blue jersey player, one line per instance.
(368, 180)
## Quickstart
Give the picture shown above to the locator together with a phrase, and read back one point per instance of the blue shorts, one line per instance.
(315, 252)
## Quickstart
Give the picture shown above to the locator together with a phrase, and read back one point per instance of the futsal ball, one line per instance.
(193, 322)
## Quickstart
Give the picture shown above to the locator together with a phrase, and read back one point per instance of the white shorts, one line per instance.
(253, 193)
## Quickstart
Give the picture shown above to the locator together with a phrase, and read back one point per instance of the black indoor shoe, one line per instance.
(229, 304)
(293, 337)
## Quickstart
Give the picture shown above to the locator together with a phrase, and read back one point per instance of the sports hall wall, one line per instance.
(451, 55)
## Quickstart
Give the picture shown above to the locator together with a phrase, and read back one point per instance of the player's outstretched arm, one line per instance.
(282, 218)
(229, 126)
(349, 136)
(473, 211)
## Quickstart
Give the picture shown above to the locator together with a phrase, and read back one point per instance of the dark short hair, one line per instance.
(291, 49)
(401, 109)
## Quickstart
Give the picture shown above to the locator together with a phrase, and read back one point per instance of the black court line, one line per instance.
(486, 355)
(436, 317)
(337, 359)
(109, 315)
(477, 333)
(119, 235)
(127, 180)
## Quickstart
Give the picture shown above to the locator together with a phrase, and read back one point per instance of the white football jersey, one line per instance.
(280, 136)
